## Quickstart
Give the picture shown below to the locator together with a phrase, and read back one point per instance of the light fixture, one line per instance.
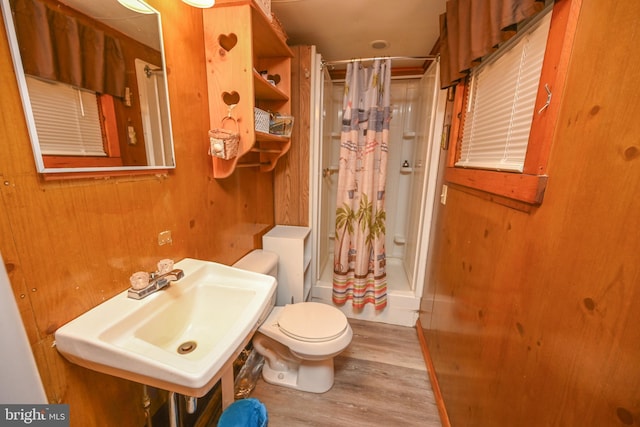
(203, 4)
(141, 7)
(136, 6)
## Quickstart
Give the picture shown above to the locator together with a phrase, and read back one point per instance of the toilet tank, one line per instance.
(259, 261)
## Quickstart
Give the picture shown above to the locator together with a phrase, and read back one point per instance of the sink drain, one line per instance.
(187, 347)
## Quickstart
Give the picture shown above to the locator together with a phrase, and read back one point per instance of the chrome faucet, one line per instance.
(157, 281)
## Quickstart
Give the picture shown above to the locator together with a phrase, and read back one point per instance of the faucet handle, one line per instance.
(165, 266)
(139, 280)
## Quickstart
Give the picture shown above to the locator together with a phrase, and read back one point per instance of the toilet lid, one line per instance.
(312, 321)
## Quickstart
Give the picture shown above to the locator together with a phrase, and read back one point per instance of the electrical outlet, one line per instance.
(164, 237)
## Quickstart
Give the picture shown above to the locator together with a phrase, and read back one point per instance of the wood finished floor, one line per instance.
(380, 380)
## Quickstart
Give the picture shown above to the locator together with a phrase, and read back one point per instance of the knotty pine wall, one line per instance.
(291, 178)
(532, 319)
(69, 245)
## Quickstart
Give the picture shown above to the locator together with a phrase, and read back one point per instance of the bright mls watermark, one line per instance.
(34, 415)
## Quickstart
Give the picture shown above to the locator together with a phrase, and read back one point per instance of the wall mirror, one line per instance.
(93, 84)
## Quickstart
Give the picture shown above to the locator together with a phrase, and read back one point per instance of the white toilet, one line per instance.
(298, 341)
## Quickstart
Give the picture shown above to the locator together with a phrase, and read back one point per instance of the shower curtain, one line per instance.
(359, 271)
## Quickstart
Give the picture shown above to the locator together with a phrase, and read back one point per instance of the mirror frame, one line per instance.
(78, 172)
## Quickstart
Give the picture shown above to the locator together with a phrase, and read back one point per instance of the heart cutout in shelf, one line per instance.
(228, 42)
(231, 98)
(274, 77)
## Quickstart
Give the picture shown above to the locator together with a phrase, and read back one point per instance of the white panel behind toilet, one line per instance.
(292, 244)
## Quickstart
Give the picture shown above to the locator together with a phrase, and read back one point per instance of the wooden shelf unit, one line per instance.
(239, 42)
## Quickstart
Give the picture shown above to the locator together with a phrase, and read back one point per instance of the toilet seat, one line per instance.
(313, 348)
(312, 322)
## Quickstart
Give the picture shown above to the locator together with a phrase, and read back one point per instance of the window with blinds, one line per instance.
(67, 119)
(501, 99)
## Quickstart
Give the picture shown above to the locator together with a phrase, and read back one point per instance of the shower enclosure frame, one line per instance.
(403, 305)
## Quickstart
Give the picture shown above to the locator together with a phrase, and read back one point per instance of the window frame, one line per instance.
(110, 140)
(522, 190)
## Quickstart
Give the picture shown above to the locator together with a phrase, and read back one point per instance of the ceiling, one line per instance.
(340, 29)
(344, 29)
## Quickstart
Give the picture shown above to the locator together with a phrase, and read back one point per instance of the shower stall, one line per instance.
(414, 150)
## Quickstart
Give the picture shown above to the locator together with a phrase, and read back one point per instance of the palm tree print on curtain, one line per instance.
(359, 271)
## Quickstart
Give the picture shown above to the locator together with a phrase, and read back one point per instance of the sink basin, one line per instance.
(183, 338)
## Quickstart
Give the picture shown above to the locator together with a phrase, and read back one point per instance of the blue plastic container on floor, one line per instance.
(244, 413)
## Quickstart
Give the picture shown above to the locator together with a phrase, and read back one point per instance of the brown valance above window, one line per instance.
(471, 29)
(55, 46)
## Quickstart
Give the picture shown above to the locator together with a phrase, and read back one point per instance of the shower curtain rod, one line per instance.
(410, 58)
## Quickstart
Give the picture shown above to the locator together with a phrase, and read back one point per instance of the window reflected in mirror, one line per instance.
(91, 77)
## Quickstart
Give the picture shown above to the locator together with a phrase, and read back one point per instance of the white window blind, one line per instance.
(67, 119)
(501, 103)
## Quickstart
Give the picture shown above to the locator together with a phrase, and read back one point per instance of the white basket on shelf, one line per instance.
(262, 119)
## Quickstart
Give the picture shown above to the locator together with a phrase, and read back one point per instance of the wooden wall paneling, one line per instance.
(433, 379)
(254, 214)
(533, 314)
(16, 147)
(69, 245)
(291, 183)
(19, 150)
(19, 285)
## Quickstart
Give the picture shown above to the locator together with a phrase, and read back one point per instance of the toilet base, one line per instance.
(285, 369)
(314, 376)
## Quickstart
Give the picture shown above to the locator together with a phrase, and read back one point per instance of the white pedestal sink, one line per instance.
(181, 339)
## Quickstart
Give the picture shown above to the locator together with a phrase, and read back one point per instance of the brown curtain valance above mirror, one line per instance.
(471, 29)
(55, 46)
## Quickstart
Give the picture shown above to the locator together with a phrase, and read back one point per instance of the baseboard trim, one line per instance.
(437, 394)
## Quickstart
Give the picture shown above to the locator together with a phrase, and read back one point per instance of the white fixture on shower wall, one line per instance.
(405, 96)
